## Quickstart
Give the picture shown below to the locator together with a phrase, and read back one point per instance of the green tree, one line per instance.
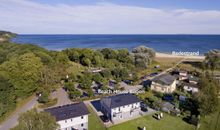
(7, 98)
(143, 56)
(208, 95)
(86, 61)
(86, 81)
(24, 73)
(32, 120)
(212, 59)
(44, 98)
(97, 78)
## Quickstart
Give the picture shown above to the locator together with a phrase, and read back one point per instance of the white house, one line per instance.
(165, 83)
(119, 107)
(190, 87)
(71, 117)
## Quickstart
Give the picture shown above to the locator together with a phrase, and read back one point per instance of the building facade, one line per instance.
(164, 83)
(71, 117)
(119, 107)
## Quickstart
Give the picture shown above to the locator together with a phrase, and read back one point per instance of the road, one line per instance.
(12, 120)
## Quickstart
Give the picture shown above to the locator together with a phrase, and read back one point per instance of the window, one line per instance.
(81, 117)
(65, 121)
(71, 120)
(82, 125)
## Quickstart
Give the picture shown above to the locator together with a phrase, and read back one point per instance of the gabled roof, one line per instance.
(68, 111)
(165, 79)
(119, 100)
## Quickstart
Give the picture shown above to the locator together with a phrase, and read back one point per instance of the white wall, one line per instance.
(164, 88)
(73, 121)
(192, 89)
(125, 108)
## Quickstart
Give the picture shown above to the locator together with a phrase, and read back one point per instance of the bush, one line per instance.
(44, 98)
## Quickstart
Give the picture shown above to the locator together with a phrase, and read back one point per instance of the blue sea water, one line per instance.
(161, 43)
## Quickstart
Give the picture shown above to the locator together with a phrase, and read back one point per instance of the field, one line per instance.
(94, 122)
(167, 123)
(164, 64)
(211, 122)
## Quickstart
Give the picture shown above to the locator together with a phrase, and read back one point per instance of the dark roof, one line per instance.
(164, 79)
(119, 100)
(68, 111)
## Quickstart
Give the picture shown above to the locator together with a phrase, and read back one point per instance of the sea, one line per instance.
(160, 43)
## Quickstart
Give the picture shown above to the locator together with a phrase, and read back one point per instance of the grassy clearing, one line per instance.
(164, 64)
(167, 123)
(94, 122)
(211, 122)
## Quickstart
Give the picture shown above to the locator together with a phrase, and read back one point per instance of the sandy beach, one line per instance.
(164, 55)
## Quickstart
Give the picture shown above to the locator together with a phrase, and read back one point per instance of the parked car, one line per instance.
(143, 107)
(104, 118)
(168, 97)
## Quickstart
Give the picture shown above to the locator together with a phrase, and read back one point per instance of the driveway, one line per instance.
(62, 97)
(12, 120)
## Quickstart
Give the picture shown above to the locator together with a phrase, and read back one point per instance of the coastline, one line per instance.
(165, 55)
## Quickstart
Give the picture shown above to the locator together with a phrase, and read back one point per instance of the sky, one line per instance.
(110, 16)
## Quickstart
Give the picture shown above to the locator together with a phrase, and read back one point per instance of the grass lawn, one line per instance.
(167, 123)
(164, 63)
(94, 122)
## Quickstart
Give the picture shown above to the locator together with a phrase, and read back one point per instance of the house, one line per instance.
(165, 83)
(193, 79)
(180, 74)
(71, 116)
(183, 73)
(119, 107)
(191, 87)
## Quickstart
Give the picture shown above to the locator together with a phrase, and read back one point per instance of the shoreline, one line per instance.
(166, 55)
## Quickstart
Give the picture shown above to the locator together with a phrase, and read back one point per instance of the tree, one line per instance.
(24, 73)
(106, 73)
(7, 98)
(86, 81)
(32, 120)
(74, 94)
(97, 78)
(44, 98)
(208, 95)
(109, 53)
(143, 56)
(86, 61)
(212, 59)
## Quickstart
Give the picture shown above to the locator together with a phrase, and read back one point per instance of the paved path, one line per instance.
(12, 120)
(62, 97)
